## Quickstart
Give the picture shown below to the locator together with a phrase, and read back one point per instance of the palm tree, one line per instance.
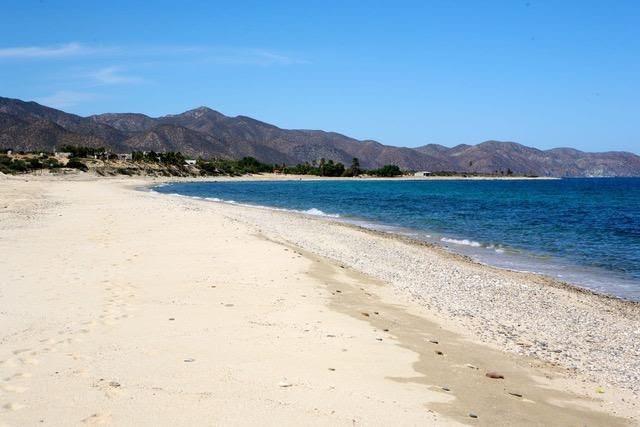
(355, 167)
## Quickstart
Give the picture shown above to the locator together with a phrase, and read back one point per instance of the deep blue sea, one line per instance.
(583, 231)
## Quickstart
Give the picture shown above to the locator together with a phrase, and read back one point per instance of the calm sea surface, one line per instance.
(583, 231)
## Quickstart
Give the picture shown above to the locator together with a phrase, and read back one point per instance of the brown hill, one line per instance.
(209, 133)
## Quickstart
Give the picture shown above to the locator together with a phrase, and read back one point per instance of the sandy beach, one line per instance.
(121, 306)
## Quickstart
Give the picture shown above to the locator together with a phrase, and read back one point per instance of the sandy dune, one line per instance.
(124, 307)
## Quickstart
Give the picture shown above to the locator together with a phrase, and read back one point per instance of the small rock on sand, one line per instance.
(494, 375)
(284, 384)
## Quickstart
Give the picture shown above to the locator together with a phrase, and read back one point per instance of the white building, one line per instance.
(190, 162)
(422, 173)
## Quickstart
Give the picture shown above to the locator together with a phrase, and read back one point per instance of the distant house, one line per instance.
(190, 162)
(62, 154)
(422, 173)
(124, 156)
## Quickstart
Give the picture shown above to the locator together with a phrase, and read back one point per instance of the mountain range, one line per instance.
(29, 126)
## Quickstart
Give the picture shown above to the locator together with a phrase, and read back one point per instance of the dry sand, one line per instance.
(126, 307)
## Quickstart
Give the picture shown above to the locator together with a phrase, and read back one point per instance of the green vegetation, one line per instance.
(75, 163)
(83, 152)
(323, 168)
(354, 170)
(251, 165)
(386, 171)
(168, 158)
(232, 167)
(10, 165)
(329, 168)
(221, 167)
(174, 164)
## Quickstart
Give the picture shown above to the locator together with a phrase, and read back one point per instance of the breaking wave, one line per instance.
(464, 242)
(318, 212)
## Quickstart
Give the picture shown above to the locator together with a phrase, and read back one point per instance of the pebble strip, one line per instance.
(589, 334)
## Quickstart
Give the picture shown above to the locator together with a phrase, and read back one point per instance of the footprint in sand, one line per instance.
(111, 389)
(97, 419)
(19, 376)
(9, 363)
(84, 373)
(76, 356)
(29, 361)
(10, 388)
(12, 406)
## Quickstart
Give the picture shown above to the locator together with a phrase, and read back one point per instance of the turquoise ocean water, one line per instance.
(583, 231)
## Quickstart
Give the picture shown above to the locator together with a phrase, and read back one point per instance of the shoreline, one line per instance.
(552, 281)
(142, 301)
(610, 303)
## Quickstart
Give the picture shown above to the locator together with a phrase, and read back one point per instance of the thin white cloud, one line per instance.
(113, 76)
(58, 51)
(240, 56)
(65, 98)
(278, 59)
(216, 54)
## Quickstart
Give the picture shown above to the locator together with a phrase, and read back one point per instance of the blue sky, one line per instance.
(542, 73)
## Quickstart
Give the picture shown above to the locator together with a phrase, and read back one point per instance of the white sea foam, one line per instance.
(498, 249)
(318, 212)
(312, 211)
(464, 242)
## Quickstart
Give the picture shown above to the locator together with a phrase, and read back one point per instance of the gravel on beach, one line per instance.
(591, 335)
